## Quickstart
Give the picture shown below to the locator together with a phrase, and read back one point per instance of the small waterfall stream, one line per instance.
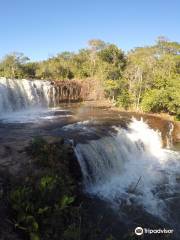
(22, 94)
(130, 166)
(169, 137)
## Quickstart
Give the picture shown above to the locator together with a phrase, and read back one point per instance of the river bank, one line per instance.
(164, 117)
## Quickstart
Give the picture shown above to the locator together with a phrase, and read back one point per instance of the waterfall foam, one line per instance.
(130, 166)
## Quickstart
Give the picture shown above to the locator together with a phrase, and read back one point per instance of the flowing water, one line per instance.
(122, 156)
(130, 166)
(22, 94)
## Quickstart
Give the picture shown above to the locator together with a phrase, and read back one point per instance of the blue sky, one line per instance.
(42, 28)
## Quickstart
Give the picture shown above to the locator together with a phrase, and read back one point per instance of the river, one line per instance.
(128, 160)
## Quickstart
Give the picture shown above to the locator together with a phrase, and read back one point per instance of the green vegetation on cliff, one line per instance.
(43, 203)
(146, 78)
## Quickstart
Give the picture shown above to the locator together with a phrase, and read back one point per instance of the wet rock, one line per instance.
(176, 133)
(54, 140)
(52, 151)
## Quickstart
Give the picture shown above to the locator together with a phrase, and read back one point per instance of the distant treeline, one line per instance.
(146, 78)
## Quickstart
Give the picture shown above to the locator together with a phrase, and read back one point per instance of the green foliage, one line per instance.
(133, 80)
(37, 145)
(12, 65)
(66, 201)
(54, 68)
(47, 183)
(47, 154)
(45, 201)
(155, 100)
(21, 203)
(152, 76)
(29, 70)
(71, 233)
(124, 100)
(113, 55)
(166, 99)
(42, 200)
(177, 117)
(96, 44)
(111, 88)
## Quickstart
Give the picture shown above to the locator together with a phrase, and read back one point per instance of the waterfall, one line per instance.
(130, 166)
(169, 137)
(16, 94)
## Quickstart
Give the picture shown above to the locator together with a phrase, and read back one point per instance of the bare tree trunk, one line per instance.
(140, 89)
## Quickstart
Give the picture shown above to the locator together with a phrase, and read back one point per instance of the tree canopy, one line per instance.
(146, 78)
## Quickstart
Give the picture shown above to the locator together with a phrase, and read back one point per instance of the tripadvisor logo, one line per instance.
(139, 231)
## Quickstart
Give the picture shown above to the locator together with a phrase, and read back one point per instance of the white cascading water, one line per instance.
(130, 166)
(169, 138)
(22, 94)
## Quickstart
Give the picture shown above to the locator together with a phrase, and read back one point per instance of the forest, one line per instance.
(144, 79)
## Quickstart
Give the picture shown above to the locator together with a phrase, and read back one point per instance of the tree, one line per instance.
(29, 69)
(11, 65)
(138, 72)
(81, 64)
(96, 45)
(147, 78)
(113, 55)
